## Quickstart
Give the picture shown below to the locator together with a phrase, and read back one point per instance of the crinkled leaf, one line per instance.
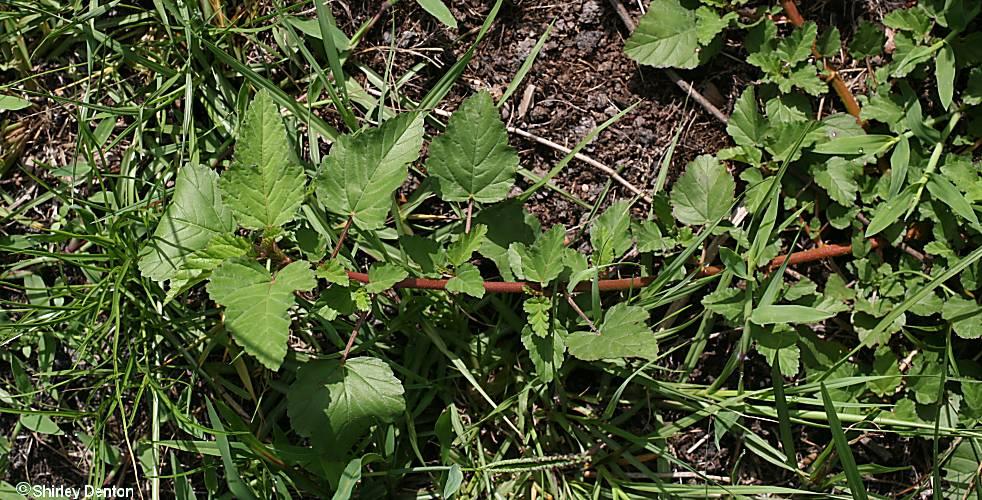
(362, 171)
(610, 234)
(266, 184)
(704, 193)
(335, 403)
(507, 222)
(797, 46)
(868, 40)
(746, 126)
(838, 178)
(728, 303)
(547, 352)
(382, 277)
(199, 264)
(624, 333)
(257, 305)
(472, 159)
(465, 244)
(667, 36)
(537, 309)
(195, 216)
(778, 342)
(334, 272)
(543, 261)
(468, 280)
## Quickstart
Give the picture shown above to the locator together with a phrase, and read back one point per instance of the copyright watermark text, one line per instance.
(72, 492)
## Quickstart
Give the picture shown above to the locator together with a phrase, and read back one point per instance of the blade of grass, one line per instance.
(856, 486)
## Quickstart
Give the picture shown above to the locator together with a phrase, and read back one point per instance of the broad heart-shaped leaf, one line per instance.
(363, 170)
(257, 305)
(704, 193)
(610, 234)
(334, 403)
(965, 317)
(472, 159)
(195, 216)
(543, 261)
(623, 334)
(265, 185)
(667, 36)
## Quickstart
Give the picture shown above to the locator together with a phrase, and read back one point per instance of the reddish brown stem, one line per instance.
(344, 234)
(833, 77)
(470, 212)
(353, 336)
(613, 285)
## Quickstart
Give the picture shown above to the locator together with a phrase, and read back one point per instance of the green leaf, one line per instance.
(868, 40)
(333, 271)
(890, 212)
(962, 471)
(362, 171)
(546, 352)
(945, 73)
(774, 314)
(543, 261)
(746, 126)
(454, 478)
(257, 305)
(13, 103)
(728, 303)
(667, 36)
(853, 477)
(439, 10)
(838, 178)
(941, 189)
(537, 309)
(887, 370)
(465, 244)
(704, 193)
(965, 317)
(709, 24)
(265, 185)
(382, 277)
(610, 234)
(914, 19)
(42, 424)
(472, 159)
(623, 334)
(797, 47)
(507, 222)
(468, 280)
(334, 403)
(855, 145)
(779, 342)
(829, 43)
(734, 262)
(195, 215)
(199, 264)
(899, 163)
